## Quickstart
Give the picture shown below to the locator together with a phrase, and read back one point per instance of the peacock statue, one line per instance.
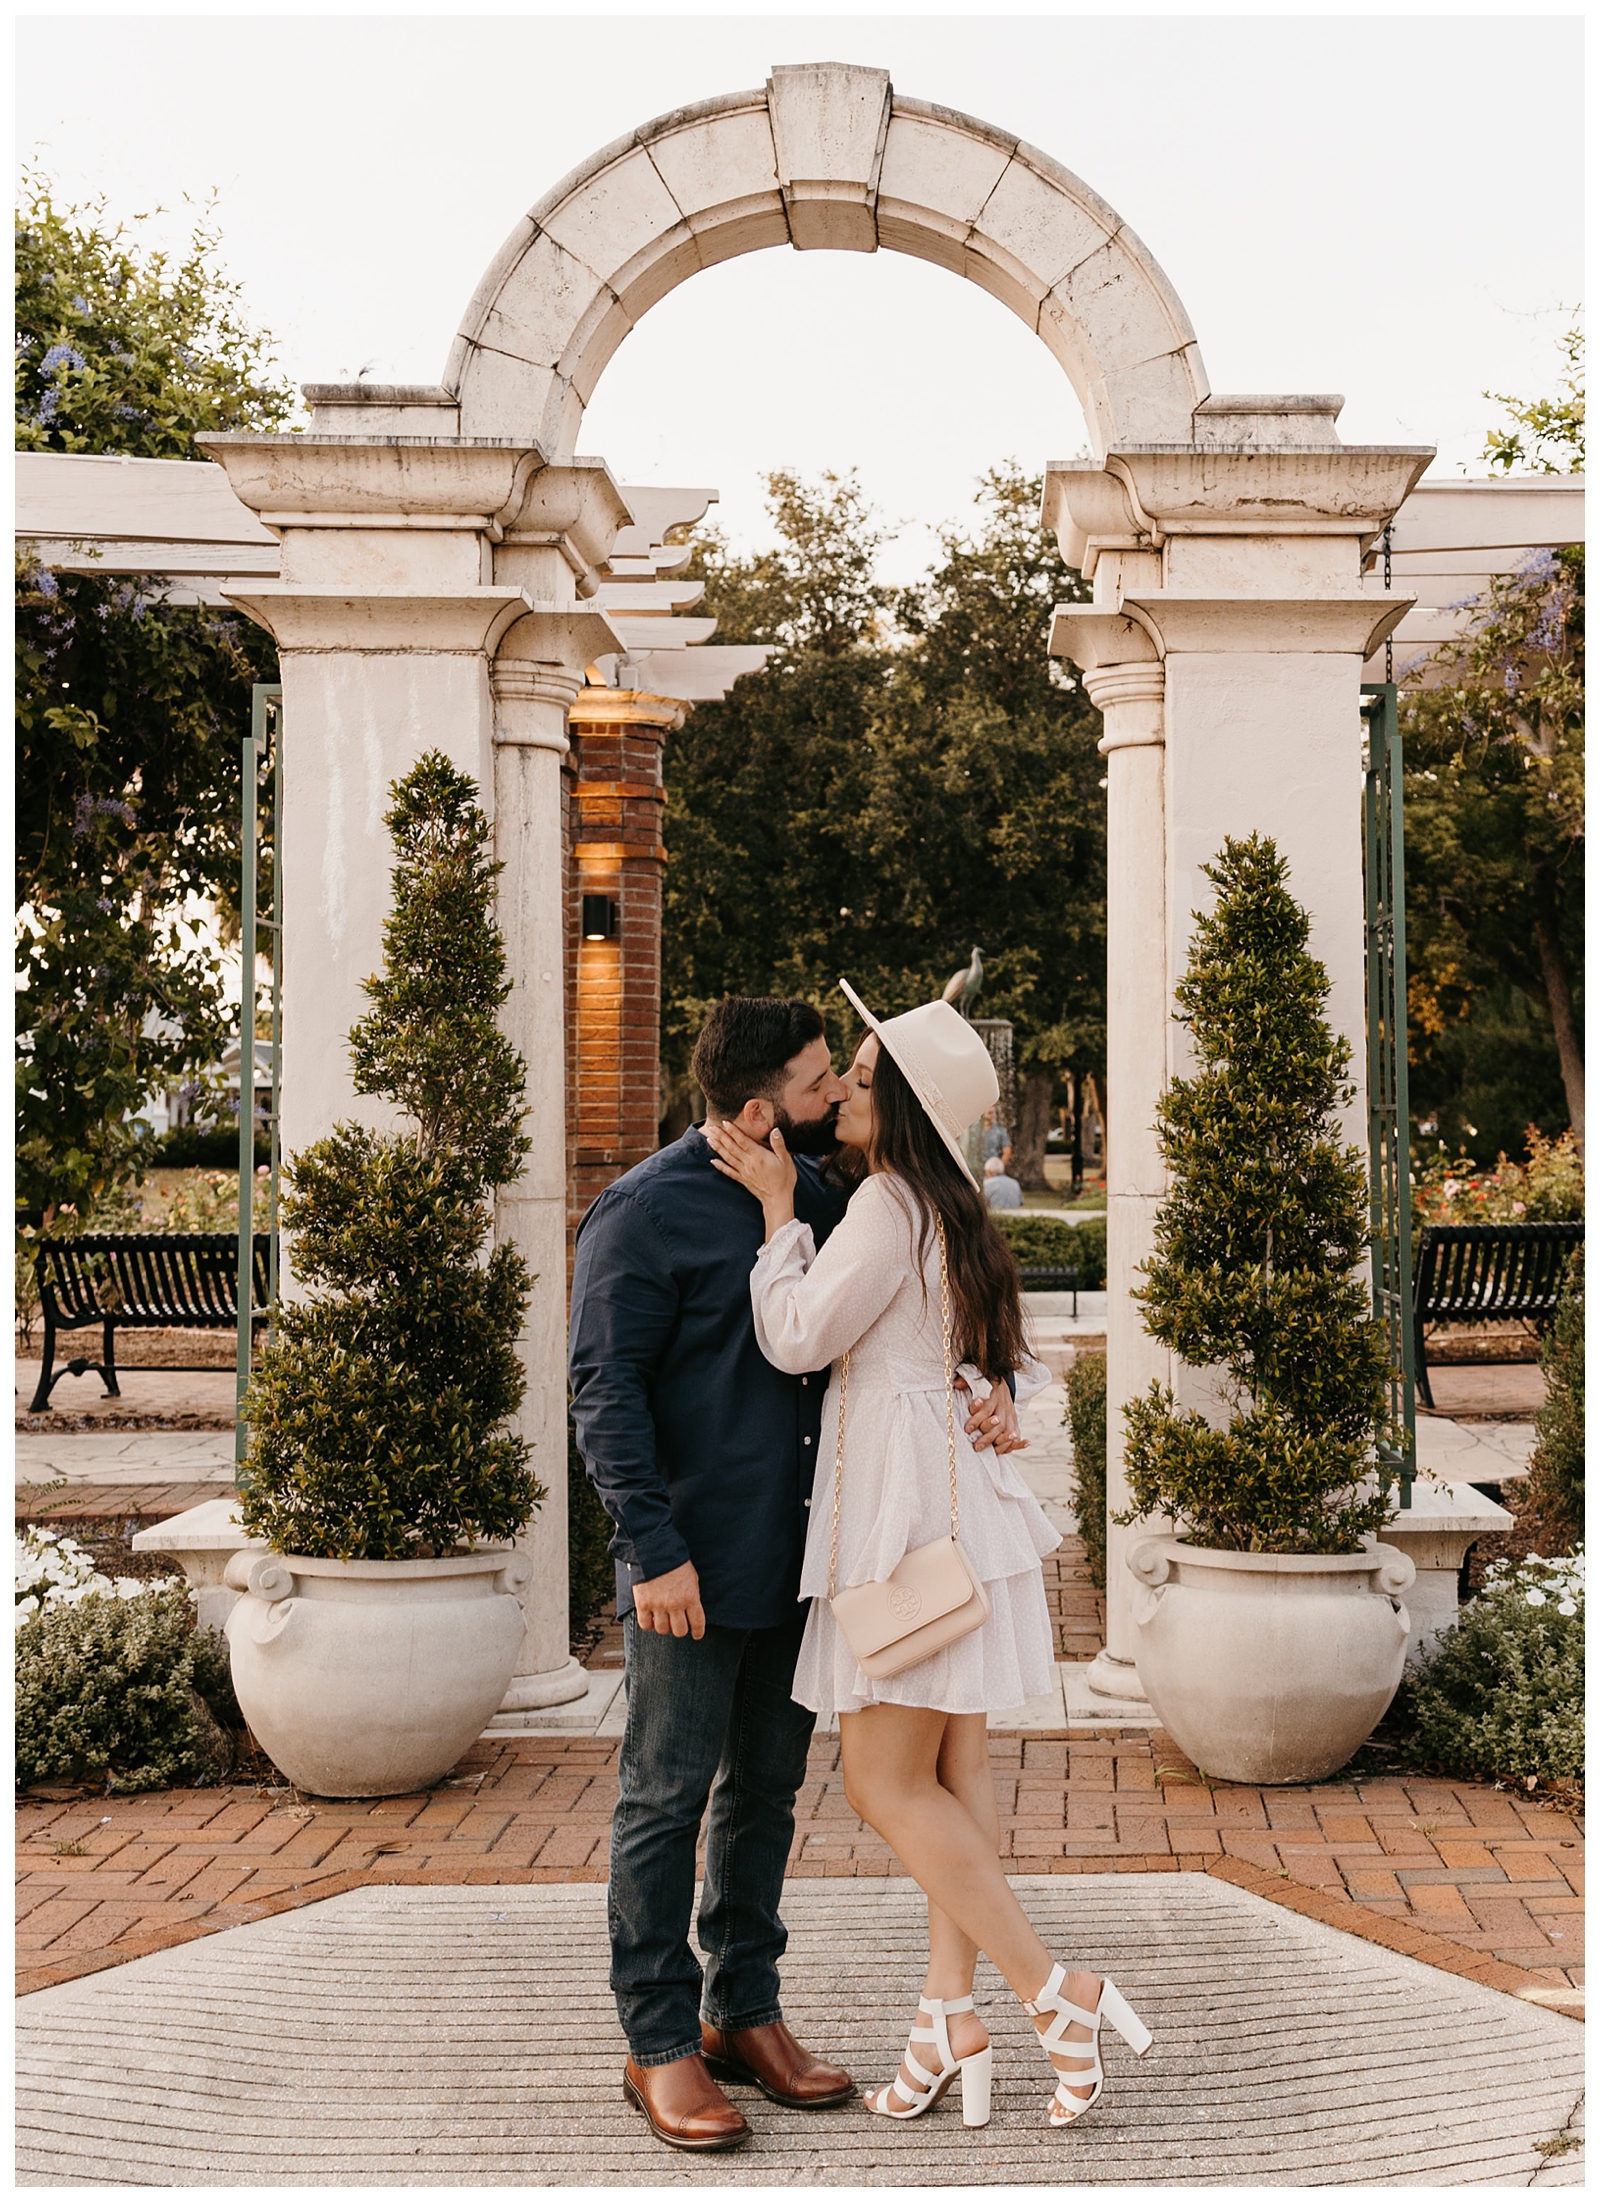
(964, 988)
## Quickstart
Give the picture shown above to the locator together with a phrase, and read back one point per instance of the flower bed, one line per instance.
(1547, 1188)
(54, 1571)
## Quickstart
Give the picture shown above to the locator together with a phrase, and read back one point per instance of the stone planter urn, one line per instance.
(369, 1678)
(1269, 1667)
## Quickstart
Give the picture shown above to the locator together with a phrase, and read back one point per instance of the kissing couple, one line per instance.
(814, 1266)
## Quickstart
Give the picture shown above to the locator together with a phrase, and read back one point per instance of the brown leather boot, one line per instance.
(770, 2058)
(684, 2104)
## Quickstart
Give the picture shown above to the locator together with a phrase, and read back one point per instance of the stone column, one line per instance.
(355, 720)
(410, 564)
(1224, 645)
(530, 739)
(1131, 698)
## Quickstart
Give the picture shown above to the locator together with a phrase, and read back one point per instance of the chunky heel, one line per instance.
(976, 2074)
(1086, 2070)
(1115, 2006)
(899, 2101)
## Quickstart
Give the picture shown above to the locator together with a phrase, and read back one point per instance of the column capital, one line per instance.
(505, 490)
(1144, 495)
(1347, 623)
(1110, 685)
(541, 662)
(1097, 640)
(521, 683)
(635, 708)
(570, 636)
(465, 622)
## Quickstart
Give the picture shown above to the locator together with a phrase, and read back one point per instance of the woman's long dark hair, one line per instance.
(985, 1292)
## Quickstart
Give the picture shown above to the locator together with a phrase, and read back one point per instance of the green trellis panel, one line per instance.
(1388, 1095)
(264, 740)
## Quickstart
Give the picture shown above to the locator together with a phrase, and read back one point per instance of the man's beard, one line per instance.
(816, 1138)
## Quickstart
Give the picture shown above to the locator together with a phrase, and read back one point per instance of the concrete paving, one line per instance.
(466, 2037)
(1473, 1452)
(124, 1456)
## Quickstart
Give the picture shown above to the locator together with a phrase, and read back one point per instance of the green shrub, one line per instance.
(1555, 1473)
(123, 1688)
(1502, 1698)
(1086, 1419)
(591, 1572)
(1257, 1246)
(377, 1421)
(1050, 1242)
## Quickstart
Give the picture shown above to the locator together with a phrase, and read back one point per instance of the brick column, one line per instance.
(615, 803)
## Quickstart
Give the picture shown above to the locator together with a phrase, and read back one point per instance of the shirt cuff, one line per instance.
(794, 1235)
(653, 1556)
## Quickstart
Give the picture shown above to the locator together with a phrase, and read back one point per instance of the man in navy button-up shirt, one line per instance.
(703, 1455)
(702, 1452)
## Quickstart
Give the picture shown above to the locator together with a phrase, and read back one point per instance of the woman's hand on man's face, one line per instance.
(764, 1170)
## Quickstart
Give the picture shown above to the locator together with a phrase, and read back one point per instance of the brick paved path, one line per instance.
(1463, 1875)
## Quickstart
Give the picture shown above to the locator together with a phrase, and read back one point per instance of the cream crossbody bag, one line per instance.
(933, 1598)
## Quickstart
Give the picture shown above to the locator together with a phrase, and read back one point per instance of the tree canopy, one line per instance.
(908, 777)
(1495, 836)
(130, 709)
(121, 346)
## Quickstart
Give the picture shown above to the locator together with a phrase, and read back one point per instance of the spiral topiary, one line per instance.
(1257, 1245)
(377, 1421)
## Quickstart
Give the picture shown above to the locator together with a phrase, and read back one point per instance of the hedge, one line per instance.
(1045, 1241)
(1086, 1419)
(591, 1572)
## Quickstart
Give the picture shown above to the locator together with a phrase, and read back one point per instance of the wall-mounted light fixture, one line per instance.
(600, 918)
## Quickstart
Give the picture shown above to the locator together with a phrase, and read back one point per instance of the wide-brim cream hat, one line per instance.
(944, 1061)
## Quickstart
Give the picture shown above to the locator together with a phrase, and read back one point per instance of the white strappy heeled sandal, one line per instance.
(1066, 2107)
(974, 2071)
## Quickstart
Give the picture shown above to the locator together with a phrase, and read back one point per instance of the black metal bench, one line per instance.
(1486, 1272)
(177, 1280)
(1037, 1278)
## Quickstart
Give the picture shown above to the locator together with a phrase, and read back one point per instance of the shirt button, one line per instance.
(805, 1380)
(808, 1441)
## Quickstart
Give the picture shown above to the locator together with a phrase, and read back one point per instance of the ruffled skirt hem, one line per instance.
(994, 1670)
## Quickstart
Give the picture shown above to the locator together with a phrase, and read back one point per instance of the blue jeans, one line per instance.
(714, 1722)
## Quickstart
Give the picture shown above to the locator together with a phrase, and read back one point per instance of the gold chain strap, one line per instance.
(949, 1373)
(949, 1415)
(838, 1478)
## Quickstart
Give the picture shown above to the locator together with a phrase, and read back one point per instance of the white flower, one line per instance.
(1535, 1597)
(1567, 1607)
(51, 1570)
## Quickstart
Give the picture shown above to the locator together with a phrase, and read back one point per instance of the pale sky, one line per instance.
(1384, 206)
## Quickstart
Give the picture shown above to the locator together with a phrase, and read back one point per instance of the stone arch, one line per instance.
(824, 157)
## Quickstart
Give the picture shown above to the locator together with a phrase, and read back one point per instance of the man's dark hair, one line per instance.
(746, 1045)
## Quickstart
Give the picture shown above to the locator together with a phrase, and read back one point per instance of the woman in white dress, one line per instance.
(892, 1311)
